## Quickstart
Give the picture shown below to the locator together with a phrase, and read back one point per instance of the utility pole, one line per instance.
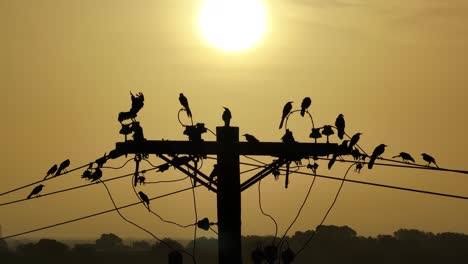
(228, 187)
(229, 196)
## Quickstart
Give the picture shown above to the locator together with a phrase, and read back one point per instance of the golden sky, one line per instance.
(397, 70)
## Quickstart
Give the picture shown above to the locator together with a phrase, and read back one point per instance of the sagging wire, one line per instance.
(138, 226)
(328, 211)
(95, 214)
(265, 214)
(292, 112)
(299, 211)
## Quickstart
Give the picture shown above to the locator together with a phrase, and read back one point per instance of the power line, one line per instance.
(387, 186)
(69, 189)
(328, 211)
(41, 181)
(405, 165)
(299, 211)
(96, 214)
(265, 214)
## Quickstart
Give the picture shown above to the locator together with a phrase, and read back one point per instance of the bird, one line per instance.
(62, 167)
(343, 148)
(286, 110)
(184, 102)
(227, 116)
(250, 138)
(429, 159)
(137, 102)
(51, 171)
(97, 174)
(340, 125)
(354, 140)
(288, 137)
(144, 198)
(404, 156)
(36, 190)
(306, 102)
(379, 150)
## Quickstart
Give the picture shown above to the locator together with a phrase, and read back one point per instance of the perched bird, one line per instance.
(250, 138)
(288, 137)
(51, 171)
(356, 154)
(97, 174)
(184, 102)
(404, 156)
(137, 102)
(286, 110)
(379, 150)
(342, 149)
(36, 191)
(62, 167)
(227, 116)
(306, 102)
(340, 125)
(429, 159)
(144, 198)
(354, 140)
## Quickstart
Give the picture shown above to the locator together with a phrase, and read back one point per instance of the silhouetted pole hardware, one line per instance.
(228, 187)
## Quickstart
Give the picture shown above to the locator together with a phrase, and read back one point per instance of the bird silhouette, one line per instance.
(144, 198)
(137, 102)
(288, 137)
(342, 149)
(250, 138)
(340, 125)
(184, 102)
(286, 110)
(356, 154)
(404, 156)
(36, 191)
(62, 167)
(227, 116)
(429, 159)
(354, 140)
(306, 102)
(379, 150)
(51, 171)
(97, 174)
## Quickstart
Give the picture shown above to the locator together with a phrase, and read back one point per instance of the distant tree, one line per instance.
(141, 245)
(51, 247)
(109, 242)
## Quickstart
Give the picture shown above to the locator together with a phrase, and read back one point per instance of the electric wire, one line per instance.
(95, 214)
(117, 168)
(154, 213)
(167, 181)
(265, 214)
(299, 211)
(328, 211)
(41, 181)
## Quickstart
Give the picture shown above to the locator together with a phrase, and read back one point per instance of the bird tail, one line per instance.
(189, 113)
(281, 123)
(29, 196)
(302, 111)
(395, 156)
(371, 162)
(332, 161)
(340, 134)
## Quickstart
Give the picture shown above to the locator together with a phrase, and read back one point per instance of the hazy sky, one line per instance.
(397, 70)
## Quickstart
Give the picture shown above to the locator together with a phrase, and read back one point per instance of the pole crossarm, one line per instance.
(208, 184)
(262, 174)
(275, 149)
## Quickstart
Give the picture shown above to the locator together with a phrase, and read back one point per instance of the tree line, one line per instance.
(330, 244)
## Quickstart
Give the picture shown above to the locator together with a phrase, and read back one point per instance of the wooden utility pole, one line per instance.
(227, 186)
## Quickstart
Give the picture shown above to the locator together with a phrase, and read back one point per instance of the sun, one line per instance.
(232, 25)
